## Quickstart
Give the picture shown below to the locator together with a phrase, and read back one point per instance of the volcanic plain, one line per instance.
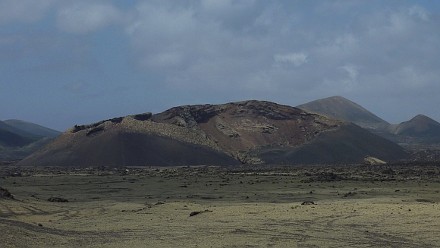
(394, 205)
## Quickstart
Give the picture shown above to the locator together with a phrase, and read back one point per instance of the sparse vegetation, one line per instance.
(57, 199)
(194, 213)
(222, 205)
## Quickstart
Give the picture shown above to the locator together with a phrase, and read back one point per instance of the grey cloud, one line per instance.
(215, 51)
(297, 59)
(77, 87)
(24, 10)
(191, 48)
(257, 46)
(84, 17)
(196, 52)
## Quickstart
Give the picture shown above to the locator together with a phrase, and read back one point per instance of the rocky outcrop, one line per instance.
(5, 194)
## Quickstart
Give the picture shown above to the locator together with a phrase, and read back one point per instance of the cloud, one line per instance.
(401, 22)
(250, 45)
(229, 13)
(296, 59)
(351, 80)
(216, 51)
(225, 5)
(23, 10)
(414, 78)
(163, 35)
(419, 12)
(86, 17)
(190, 49)
(214, 46)
(351, 70)
(164, 59)
(78, 87)
(193, 50)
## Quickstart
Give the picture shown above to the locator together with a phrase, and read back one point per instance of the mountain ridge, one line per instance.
(32, 128)
(19, 139)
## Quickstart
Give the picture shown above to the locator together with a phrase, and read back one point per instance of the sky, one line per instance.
(65, 62)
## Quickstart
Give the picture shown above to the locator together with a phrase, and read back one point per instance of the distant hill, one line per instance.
(250, 132)
(421, 129)
(18, 139)
(10, 139)
(419, 126)
(340, 108)
(32, 128)
(5, 127)
(421, 132)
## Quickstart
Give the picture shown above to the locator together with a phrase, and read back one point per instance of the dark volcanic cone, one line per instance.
(420, 126)
(340, 108)
(248, 132)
